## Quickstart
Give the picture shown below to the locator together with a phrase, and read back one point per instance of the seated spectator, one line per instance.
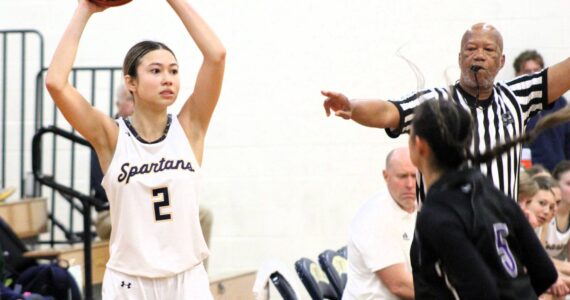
(557, 234)
(559, 227)
(381, 234)
(125, 103)
(527, 189)
(537, 170)
(543, 204)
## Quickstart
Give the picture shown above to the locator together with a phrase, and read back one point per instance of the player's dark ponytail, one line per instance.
(548, 121)
(448, 129)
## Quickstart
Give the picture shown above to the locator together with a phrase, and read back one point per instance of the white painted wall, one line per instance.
(283, 180)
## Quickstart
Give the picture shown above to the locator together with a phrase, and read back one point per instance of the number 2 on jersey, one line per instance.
(503, 250)
(157, 195)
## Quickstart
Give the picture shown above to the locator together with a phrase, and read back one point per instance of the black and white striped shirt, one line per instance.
(497, 120)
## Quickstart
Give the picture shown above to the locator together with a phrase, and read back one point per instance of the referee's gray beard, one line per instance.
(470, 82)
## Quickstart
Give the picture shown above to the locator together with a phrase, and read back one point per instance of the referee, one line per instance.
(499, 110)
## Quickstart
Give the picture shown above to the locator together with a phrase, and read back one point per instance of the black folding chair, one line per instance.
(283, 286)
(343, 252)
(13, 251)
(334, 266)
(315, 280)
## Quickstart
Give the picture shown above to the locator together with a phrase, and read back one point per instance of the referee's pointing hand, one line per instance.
(339, 103)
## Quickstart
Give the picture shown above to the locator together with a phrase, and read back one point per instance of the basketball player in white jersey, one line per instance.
(151, 161)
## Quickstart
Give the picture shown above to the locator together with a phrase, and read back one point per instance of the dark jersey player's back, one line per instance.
(472, 242)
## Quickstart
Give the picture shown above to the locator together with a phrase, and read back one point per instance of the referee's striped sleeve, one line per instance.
(531, 92)
(406, 106)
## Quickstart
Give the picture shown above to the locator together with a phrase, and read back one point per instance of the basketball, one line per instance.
(110, 3)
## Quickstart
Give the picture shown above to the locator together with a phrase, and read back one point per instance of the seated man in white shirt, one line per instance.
(381, 234)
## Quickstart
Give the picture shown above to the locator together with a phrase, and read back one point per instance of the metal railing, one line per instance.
(87, 201)
(17, 59)
(25, 108)
(98, 85)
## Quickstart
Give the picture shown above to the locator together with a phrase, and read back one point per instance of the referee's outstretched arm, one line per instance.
(558, 80)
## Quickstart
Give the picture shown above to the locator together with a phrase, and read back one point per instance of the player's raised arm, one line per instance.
(198, 109)
(95, 126)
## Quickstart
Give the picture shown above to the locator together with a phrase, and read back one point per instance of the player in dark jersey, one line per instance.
(471, 241)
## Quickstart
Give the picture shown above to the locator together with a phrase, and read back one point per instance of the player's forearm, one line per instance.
(64, 55)
(206, 40)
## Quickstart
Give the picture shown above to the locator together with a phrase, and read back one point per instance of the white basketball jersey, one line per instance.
(556, 242)
(153, 191)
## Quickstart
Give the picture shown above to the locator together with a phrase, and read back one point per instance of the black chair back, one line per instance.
(13, 251)
(283, 286)
(343, 252)
(315, 280)
(335, 267)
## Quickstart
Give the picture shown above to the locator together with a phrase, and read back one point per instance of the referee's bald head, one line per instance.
(481, 50)
(485, 29)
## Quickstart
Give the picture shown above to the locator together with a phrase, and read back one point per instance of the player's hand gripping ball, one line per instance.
(110, 3)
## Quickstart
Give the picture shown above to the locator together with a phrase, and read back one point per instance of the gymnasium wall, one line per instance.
(283, 180)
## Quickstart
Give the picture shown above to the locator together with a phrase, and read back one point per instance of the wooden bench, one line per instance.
(74, 256)
(27, 217)
(233, 287)
(228, 287)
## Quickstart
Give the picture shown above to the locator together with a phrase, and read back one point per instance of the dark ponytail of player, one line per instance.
(448, 130)
(549, 121)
